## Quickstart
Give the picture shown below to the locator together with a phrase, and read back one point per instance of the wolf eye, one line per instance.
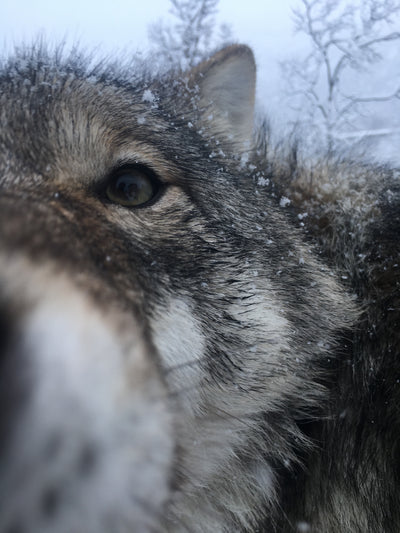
(133, 186)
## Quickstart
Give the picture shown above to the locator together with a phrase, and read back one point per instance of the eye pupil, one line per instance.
(127, 187)
(132, 187)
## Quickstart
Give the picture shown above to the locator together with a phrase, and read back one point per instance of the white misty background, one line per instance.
(341, 95)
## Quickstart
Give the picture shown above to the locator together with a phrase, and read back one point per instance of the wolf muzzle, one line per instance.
(85, 426)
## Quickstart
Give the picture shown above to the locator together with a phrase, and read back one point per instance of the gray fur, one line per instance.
(213, 361)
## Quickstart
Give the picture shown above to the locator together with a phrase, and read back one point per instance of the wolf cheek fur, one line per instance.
(191, 363)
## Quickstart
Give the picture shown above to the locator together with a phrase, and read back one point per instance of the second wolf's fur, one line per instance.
(220, 356)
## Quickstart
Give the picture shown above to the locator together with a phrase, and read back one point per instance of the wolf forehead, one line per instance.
(63, 112)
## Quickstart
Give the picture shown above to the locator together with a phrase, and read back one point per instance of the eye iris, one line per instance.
(131, 189)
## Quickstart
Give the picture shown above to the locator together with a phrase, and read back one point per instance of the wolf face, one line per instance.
(167, 333)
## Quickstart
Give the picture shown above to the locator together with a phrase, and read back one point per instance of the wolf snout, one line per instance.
(83, 410)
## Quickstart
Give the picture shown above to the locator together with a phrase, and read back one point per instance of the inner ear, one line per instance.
(226, 84)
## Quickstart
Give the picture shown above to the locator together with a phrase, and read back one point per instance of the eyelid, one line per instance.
(126, 166)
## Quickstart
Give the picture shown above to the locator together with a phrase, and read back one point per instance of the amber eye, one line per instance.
(132, 186)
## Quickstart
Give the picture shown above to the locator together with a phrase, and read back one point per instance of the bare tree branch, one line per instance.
(345, 38)
(192, 36)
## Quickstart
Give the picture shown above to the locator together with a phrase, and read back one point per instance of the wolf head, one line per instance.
(164, 330)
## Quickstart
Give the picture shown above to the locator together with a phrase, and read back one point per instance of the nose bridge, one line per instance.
(57, 248)
(38, 221)
(68, 231)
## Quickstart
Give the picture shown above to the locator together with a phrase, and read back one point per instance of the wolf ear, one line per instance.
(226, 84)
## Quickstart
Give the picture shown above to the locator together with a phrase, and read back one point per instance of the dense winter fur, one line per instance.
(221, 358)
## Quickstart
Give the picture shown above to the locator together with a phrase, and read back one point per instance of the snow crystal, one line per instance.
(244, 159)
(149, 97)
(303, 527)
(284, 202)
(141, 119)
(389, 195)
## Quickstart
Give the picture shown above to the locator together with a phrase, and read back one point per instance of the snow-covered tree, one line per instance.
(192, 35)
(335, 84)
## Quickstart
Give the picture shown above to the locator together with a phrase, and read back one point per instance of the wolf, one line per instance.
(199, 331)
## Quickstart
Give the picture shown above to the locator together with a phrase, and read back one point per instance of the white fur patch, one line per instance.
(180, 342)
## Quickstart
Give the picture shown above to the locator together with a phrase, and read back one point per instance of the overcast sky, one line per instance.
(122, 24)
